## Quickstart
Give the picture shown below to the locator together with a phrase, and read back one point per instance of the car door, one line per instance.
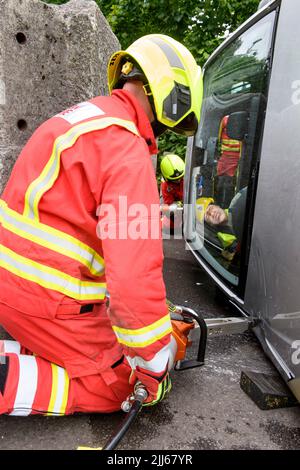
(223, 157)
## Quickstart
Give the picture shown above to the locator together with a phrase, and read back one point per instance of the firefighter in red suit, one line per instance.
(65, 243)
(172, 169)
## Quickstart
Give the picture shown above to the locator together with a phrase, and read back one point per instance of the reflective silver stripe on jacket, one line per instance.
(50, 278)
(51, 238)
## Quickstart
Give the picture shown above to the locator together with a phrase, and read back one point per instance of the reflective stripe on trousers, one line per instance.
(32, 385)
(35, 385)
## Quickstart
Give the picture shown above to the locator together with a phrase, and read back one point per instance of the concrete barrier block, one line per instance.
(51, 57)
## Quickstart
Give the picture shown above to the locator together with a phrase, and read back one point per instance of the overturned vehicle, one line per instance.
(243, 167)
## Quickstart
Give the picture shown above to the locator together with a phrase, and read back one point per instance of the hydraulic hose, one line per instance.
(135, 406)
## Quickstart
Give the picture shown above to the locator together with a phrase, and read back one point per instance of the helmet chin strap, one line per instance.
(158, 128)
(130, 73)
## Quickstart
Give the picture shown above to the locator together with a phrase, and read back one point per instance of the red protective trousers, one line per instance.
(38, 384)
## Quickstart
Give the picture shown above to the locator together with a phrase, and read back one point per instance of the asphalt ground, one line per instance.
(206, 408)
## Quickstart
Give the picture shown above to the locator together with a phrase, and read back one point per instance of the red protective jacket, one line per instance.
(172, 192)
(51, 258)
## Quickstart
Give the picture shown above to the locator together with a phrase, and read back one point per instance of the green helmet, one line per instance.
(172, 167)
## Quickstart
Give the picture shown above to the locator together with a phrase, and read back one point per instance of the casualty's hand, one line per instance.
(167, 208)
(176, 205)
(157, 387)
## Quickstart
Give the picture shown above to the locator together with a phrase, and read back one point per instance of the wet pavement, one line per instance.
(206, 409)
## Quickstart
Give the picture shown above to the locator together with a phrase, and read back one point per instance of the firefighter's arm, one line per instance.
(129, 227)
(168, 196)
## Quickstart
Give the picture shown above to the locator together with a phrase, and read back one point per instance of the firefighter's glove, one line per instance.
(171, 307)
(157, 387)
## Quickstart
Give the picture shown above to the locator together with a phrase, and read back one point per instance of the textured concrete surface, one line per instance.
(206, 408)
(51, 57)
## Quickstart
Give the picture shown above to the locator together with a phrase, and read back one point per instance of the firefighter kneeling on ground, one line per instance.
(71, 353)
(172, 168)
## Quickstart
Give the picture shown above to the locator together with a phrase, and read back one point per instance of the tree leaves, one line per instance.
(200, 24)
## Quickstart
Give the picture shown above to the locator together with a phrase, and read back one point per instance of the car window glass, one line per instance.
(227, 145)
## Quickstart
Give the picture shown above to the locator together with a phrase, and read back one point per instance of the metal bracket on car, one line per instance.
(203, 328)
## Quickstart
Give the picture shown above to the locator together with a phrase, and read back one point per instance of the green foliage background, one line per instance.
(200, 24)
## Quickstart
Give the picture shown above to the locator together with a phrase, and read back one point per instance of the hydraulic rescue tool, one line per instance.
(188, 327)
(184, 320)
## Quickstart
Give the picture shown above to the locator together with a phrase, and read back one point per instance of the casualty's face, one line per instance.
(215, 215)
